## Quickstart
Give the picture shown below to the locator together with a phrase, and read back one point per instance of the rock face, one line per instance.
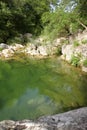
(77, 50)
(81, 36)
(67, 51)
(72, 120)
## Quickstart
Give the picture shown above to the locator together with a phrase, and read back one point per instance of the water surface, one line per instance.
(34, 88)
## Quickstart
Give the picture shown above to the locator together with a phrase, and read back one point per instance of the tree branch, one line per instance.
(82, 24)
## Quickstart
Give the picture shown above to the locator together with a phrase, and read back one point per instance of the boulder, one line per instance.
(67, 51)
(72, 120)
(3, 46)
(35, 50)
(79, 51)
(16, 47)
(7, 53)
(42, 50)
(31, 50)
(27, 37)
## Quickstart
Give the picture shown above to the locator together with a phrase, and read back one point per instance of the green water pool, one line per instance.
(34, 88)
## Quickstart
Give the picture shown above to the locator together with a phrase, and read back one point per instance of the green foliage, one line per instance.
(82, 9)
(85, 63)
(5, 14)
(27, 16)
(1, 49)
(15, 40)
(18, 16)
(84, 41)
(58, 52)
(65, 42)
(60, 23)
(76, 43)
(65, 20)
(75, 60)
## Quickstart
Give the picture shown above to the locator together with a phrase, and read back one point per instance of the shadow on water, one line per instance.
(40, 87)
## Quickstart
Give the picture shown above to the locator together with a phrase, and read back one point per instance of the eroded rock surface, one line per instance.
(76, 50)
(72, 120)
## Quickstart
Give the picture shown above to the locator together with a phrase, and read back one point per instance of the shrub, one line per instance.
(17, 40)
(65, 42)
(84, 41)
(85, 63)
(1, 49)
(58, 52)
(75, 61)
(76, 43)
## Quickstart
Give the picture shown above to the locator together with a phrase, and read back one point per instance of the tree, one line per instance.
(66, 19)
(20, 17)
(5, 24)
(55, 17)
(82, 9)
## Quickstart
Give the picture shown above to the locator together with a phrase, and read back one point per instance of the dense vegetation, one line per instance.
(53, 17)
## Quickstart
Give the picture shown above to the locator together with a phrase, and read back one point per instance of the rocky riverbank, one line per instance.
(72, 120)
(76, 51)
(72, 49)
(29, 50)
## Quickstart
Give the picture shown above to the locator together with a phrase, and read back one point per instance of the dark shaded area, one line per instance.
(21, 17)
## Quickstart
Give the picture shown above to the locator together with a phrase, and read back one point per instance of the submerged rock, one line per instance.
(72, 120)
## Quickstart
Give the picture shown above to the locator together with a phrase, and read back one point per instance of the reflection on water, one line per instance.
(40, 87)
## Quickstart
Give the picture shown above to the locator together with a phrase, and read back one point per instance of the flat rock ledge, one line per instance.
(72, 120)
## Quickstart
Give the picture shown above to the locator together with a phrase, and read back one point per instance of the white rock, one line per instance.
(7, 53)
(67, 51)
(42, 50)
(84, 68)
(16, 47)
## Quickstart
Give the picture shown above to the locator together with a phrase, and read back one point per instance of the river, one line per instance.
(33, 88)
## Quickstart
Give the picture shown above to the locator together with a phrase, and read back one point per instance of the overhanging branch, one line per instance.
(82, 24)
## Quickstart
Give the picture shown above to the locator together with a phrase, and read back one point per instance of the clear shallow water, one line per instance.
(34, 88)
